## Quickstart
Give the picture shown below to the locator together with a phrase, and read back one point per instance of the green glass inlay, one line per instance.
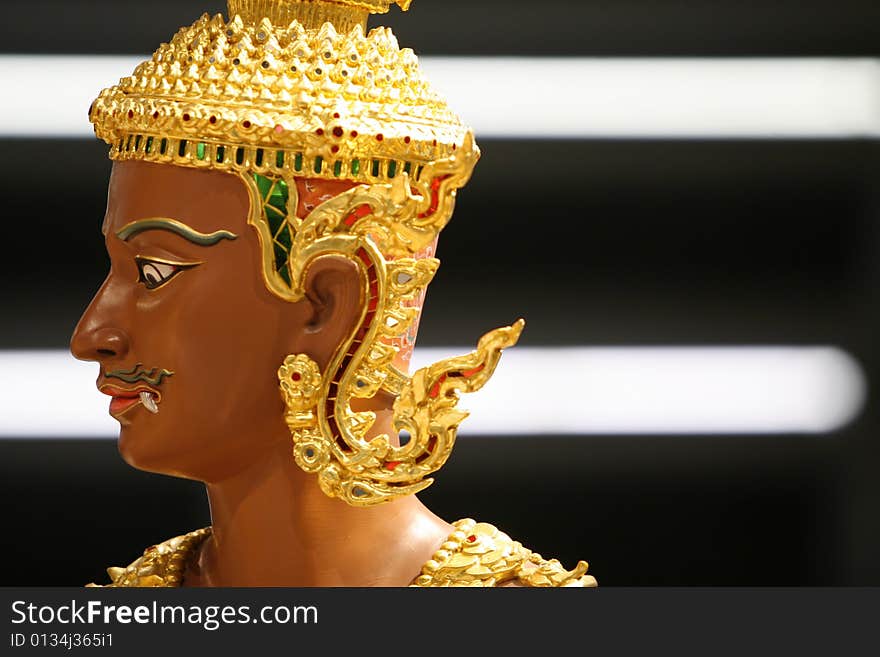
(337, 168)
(200, 150)
(408, 167)
(264, 184)
(163, 146)
(128, 142)
(181, 148)
(280, 256)
(149, 147)
(137, 143)
(376, 168)
(419, 172)
(279, 159)
(285, 274)
(239, 155)
(319, 164)
(221, 151)
(392, 169)
(355, 166)
(259, 157)
(275, 195)
(120, 144)
(298, 162)
(284, 238)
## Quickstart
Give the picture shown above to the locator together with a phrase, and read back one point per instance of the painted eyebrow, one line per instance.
(173, 226)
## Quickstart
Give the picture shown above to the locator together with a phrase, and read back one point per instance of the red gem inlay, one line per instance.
(358, 213)
(471, 538)
(435, 196)
(435, 389)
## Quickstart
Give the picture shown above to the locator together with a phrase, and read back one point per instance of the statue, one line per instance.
(278, 186)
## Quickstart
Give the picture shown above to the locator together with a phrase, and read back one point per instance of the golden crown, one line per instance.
(278, 89)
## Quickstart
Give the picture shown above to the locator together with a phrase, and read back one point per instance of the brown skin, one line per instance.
(220, 418)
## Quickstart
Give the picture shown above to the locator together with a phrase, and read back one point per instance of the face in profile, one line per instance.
(187, 337)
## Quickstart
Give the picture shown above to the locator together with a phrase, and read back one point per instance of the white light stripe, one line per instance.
(508, 97)
(537, 391)
(663, 98)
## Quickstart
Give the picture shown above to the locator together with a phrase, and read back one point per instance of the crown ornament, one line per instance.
(283, 87)
(289, 89)
(344, 14)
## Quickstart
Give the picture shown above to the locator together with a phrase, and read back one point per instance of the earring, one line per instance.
(301, 386)
(300, 381)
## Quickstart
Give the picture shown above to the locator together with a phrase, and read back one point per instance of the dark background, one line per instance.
(644, 242)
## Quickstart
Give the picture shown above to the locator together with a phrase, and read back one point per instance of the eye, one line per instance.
(155, 273)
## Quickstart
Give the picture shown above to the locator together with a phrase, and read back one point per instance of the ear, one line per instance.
(333, 288)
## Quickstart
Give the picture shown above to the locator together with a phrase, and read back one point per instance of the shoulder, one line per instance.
(479, 555)
(161, 565)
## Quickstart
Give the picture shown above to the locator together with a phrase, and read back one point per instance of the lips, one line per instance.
(125, 399)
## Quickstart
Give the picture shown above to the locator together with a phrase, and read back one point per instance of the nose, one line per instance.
(98, 336)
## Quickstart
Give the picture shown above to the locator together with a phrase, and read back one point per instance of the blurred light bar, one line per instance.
(550, 98)
(538, 391)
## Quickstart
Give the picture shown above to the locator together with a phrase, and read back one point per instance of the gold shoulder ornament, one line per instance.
(478, 554)
(474, 555)
(162, 565)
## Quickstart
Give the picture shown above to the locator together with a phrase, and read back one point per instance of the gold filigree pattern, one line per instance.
(479, 555)
(474, 555)
(379, 227)
(161, 565)
(366, 472)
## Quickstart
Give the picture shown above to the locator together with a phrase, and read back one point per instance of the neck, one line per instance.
(272, 526)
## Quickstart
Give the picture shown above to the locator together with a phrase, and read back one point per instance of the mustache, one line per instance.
(137, 373)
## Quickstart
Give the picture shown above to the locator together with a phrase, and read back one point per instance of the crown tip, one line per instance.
(312, 13)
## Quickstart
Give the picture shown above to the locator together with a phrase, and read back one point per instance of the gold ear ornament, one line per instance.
(328, 437)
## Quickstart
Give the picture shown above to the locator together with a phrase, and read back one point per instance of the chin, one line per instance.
(141, 449)
(151, 450)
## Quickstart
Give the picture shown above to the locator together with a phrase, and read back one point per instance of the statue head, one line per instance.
(280, 180)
